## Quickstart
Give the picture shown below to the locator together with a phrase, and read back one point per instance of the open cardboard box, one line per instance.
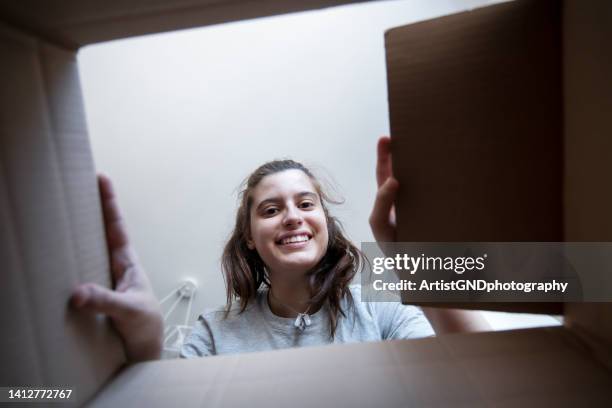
(526, 84)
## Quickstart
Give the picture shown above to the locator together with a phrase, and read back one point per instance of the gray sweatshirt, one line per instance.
(258, 329)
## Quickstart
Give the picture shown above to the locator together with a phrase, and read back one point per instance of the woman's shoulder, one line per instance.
(213, 313)
(394, 319)
(234, 312)
(355, 289)
(373, 308)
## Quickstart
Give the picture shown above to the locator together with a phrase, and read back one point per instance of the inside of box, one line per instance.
(51, 232)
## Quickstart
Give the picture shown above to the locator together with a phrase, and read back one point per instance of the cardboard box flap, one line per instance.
(76, 23)
(475, 102)
(51, 232)
(587, 30)
(532, 368)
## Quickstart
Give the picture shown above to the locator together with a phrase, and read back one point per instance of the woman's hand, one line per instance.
(382, 222)
(132, 306)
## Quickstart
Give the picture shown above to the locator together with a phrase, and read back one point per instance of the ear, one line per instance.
(250, 244)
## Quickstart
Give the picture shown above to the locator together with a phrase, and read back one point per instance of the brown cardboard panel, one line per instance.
(52, 229)
(588, 150)
(526, 364)
(536, 366)
(76, 23)
(306, 377)
(476, 121)
(475, 105)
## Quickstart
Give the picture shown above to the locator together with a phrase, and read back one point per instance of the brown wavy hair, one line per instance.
(244, 270)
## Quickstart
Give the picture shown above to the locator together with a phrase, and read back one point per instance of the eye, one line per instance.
(270, 211)
(306, 205)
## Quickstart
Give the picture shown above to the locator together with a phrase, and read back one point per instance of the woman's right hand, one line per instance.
(132, 306)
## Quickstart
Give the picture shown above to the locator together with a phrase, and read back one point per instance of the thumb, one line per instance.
(94, 298)
(380, 218)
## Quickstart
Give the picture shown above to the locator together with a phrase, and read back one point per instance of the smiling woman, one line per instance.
(289, 266)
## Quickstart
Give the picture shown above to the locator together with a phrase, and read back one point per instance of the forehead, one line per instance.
(283, 184)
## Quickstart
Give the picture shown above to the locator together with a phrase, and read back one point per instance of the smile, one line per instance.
(294, 239)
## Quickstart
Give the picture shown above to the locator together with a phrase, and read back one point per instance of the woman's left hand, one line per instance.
(382, 218)
(382, 222)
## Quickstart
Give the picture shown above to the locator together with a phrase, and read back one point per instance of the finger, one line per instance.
(380, 219)
(98, 299)
(121, 254)
(116, 232)
(383, 160)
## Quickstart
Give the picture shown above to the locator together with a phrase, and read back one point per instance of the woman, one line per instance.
(284, 238)
(289, 265)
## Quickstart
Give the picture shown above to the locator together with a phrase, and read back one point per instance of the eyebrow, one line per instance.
(277, 199)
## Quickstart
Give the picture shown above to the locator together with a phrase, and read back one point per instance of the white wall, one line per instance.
(179, 119)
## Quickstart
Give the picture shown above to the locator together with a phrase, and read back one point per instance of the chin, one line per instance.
(299, 263)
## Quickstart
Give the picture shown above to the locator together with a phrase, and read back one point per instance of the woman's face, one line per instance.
(288, 225)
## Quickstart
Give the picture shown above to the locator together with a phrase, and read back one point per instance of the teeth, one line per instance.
(296, 238)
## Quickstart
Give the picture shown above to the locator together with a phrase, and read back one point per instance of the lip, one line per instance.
(293, 234)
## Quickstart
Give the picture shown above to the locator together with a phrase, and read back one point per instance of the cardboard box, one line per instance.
(51, 229)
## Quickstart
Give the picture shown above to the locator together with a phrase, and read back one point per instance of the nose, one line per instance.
(293, 217)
